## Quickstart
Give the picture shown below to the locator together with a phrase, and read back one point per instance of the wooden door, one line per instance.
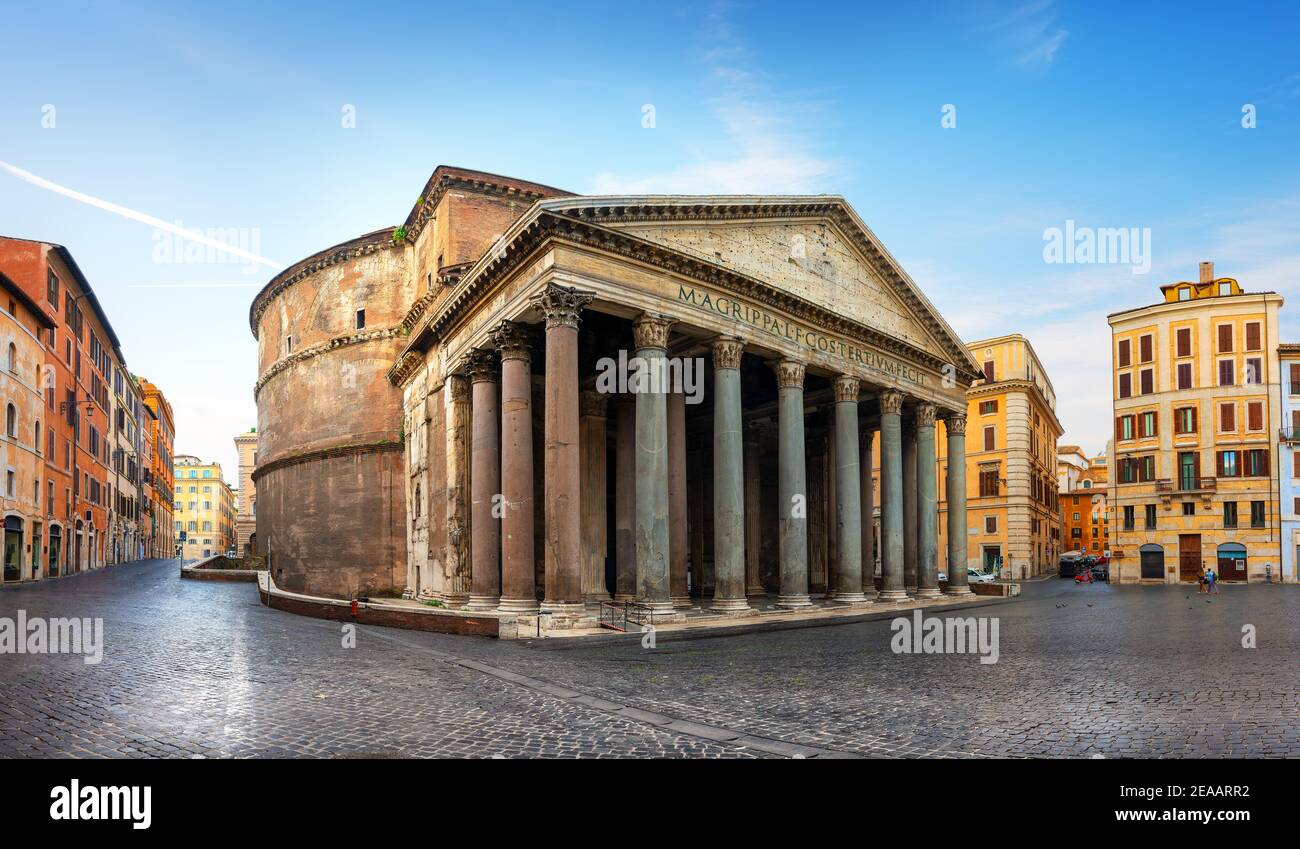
(1189, 557)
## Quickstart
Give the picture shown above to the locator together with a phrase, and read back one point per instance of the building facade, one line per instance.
(246, 499)
(204, 508)
(1288, 458)
(1085, 514)
(24, 325)
(491, 462)
(81, 355)
(1014, 525)
(158, 473)
(1193, 480)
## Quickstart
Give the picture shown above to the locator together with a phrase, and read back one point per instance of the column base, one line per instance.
(517, 605)
(963, 590)
(483, 602)
(595, 599)
(849, 598)
(565, 615)
(891, 596)
(453, 599)
(732, 607)
(623, 598)
(794, 602)
(682, 602)
(408, 593)
(755, 590)
(928, 592)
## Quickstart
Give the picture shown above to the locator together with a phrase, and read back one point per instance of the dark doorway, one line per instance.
(1153, 562)
(1232, 562)
(1189, 557)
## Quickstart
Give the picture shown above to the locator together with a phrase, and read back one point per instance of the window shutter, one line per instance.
(988, 372)
(1225, 338)
(1184, 342)
(1218, 464)
(1226, 417)
(1295, 465)
(1196, 467)
(1252, 336)
(1255, 416)
(1124, 355)
(1155, 424)
(1119, 419)
(1144, 347)
(1125, 385)
(1194, 414)
(1147, 387)
(1295, 375)
(989, 438)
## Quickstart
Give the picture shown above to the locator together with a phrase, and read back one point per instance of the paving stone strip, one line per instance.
(686, 727)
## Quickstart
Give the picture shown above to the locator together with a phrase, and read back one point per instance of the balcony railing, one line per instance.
(1165, 486)
(1289, 434)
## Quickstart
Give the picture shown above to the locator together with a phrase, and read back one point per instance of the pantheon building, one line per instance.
(524, 399)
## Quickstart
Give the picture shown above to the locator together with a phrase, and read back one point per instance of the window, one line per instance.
(1228, 464)
(1150, 517)
(13, 358)
(1227, 376)
(52, 289)
(990, 438)
(1148, 424)
(1227, 418)
(1144, 348)
(1147, 468)
(361, 319)
(1230, 514)
(1148, 381)
(1254, 415)
(990, 524)
(1183, 342)
(288, 344)
(1225, 288)
(988, 408)
(1254, 370)
(1124, 427)
(1184, 293)
(11, 421)
(988, 482)
(1125, 385)
(1184, 375)
(1124, 355)
(1188, 470)
(988, 372)
(1185, 420)
(1256, 463)
(1189, 508)
(1252, 336)
(1225, 338)
(1129, 521)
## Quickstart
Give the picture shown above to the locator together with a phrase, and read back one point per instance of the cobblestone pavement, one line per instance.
(198, 668)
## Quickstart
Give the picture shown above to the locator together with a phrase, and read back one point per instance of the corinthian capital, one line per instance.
(891, 402)
(955, 423)
(846, 388)
(925, 414)
(651, 331)
(789, 373)
(727, 351)
(511, 341)
(561, 305)
(480, 366)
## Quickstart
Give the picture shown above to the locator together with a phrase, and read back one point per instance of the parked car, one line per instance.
(1069, 564)
(974, 576)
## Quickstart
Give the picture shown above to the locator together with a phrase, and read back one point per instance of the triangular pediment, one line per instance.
(813, 248)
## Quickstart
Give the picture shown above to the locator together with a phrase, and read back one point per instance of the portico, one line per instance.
(673, 403)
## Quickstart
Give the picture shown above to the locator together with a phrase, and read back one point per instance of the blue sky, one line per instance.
(1110, 115)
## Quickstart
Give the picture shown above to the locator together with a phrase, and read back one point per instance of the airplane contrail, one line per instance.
(116, 209)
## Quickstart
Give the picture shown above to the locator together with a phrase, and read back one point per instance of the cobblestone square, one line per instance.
(200, 669)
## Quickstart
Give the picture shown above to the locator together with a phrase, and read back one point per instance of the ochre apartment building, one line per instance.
(1193, 480)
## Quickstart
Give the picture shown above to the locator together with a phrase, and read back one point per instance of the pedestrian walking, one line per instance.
(1201, 580)
(1212, 582)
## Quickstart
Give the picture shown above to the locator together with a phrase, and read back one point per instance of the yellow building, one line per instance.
(1014, 524)
(1192, 479)
(204, 508)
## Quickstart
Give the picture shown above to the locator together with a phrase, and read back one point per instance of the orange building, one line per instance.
(80, 350)
(1085, 520)
(160, 540)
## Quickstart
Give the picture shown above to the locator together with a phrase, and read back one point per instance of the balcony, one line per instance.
(1289, 434)
(1203, 486)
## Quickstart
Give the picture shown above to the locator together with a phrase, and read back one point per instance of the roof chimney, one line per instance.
(1207, 272)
